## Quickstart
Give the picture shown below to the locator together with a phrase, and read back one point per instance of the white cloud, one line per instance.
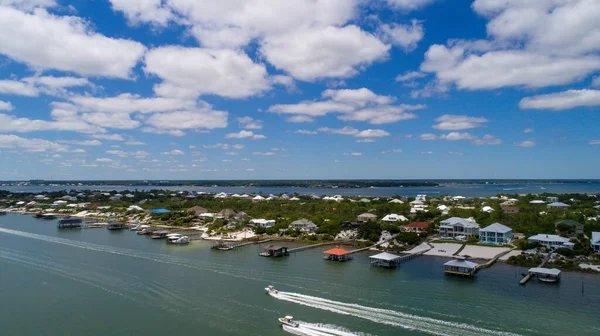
(29, 145)
(372, 133)
(231, 153)
(409, 5)
(28, 5)
(308, 132)
(263, 153)
(359, 97)
(225, 146)
(456, 153)
(310, 54)
(111, 137)
(130, 103)
(173, 152)
(409, 76)
(366, 140)
(46, 41)
(299, 119)
(243, 134)
(13, 87)
(403, 36)
(171, 132)
(562, 100)
(57, 82)
(198, 118)
(347, 130)
(137, 154)
(191, 72)
(81, 142)
(63, 121)
(387, 151)
(427, 153)
(594, 142)
(356, 154)
(453, 136)
(487, 140)
(528, 130)
(250, 123)
(451, 122)
(144, 11)
(428, 136)
(6, 106)
(311, 108)
(526, 143)
(133, 142)
(107, 160)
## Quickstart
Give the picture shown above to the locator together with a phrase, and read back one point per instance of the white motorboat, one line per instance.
(271, 290)
(288, 321)
(177, 238)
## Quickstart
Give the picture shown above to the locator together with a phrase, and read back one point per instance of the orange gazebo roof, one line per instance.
(336, 251)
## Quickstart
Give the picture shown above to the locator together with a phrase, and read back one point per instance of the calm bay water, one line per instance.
(98, 282)
(467, 190)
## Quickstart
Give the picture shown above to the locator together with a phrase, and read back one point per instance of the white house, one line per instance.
(551, 241)
(496, 234)
(595, 242)
(294, 199)
(261, 222)
(443, 208)
(221, 195)
(558, 205)
(258, 198)
(537, 202)
(392, 218)
(303, 225)
(397, 201)
(459, 227)
(487, 209)
(421, 198)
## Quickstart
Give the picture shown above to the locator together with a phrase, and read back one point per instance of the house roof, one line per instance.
(227, 212)
(496, 227)
(558, 205)
(273, 248)
(461, 263)
(385, 256)
(366, 214)
(161, 210)
(197, 209)
(541, 270)
(549, 237)
(418, 225)
(302, 221)
(336, 251)
(568, 222)
(457, 220)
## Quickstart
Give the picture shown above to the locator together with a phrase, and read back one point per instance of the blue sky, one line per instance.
(303, 89)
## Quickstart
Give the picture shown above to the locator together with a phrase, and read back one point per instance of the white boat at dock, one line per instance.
(177, 238)
(289, 321)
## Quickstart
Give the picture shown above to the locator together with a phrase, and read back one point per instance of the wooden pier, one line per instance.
(226, 246)
(530, 275)
(491, 261)
(302, 248)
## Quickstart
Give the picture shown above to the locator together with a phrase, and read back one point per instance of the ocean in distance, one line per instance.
(100, 282)
(453, 189)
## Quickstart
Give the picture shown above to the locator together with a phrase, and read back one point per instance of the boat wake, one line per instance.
(311, 329)
(389, 317)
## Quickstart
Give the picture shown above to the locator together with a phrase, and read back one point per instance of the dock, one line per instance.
(302, 248)
(491, 261)
(226, 246)
(531, 274)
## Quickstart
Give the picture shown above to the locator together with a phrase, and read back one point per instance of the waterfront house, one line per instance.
(392, 218)
(487, 209)
(558, 205)
(578, 227)
(421, 198)
(416, 203)
(367, 217)
(460, 266)
(495, 234)
(551, 241)
(221, 195)
(384, 259)
(303, 225)
(509, 208)
(415, 227)
(595, 242)
(551, 199)
(337, 254)
(461, 228)
(261, 222)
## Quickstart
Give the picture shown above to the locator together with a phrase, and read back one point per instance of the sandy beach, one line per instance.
(443, 249)
(482, 252)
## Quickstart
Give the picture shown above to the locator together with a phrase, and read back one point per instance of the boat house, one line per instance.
(385, 259)
(545, 274)
(337, 254)
(496, 234)
(69, 223)
(275, 251)
(460, 266)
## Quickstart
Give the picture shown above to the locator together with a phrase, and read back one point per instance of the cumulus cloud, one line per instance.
(351, 105)
(562, 100)
(487, 140)
(526, 143)
(81, 142)
(224, 146)
(449, 122)
(456, 153)
(455, 136)
(67, 43)
(111, 137)
(409, 5)
(243, 134)
(137, 154)
(372, 133)
(173, 152)
(250, 123)
(18, 88)
(34, 145)
(594, 142)
(401, 35)
(308, 132)
(263, 153)
(6, 106)
(198, 118)
(409, 76)
(388, 151)
(366, 140)
(297, 119)
(528, 130)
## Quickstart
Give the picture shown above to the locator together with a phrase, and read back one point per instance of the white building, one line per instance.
(303, 225)
(392, 218)
(595, 242)
(558, 205)
(487, 209)
(261, 222)
(258, 198)
(496, 234)
(551, 241)
(421, 198)
(397, 201)
(456, 227)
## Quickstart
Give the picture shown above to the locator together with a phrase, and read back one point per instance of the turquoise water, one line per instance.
(467, 190)
(99, 282)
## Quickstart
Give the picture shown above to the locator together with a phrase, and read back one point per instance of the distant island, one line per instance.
(376, 183)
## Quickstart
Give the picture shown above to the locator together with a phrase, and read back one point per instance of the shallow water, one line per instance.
(100, 282)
